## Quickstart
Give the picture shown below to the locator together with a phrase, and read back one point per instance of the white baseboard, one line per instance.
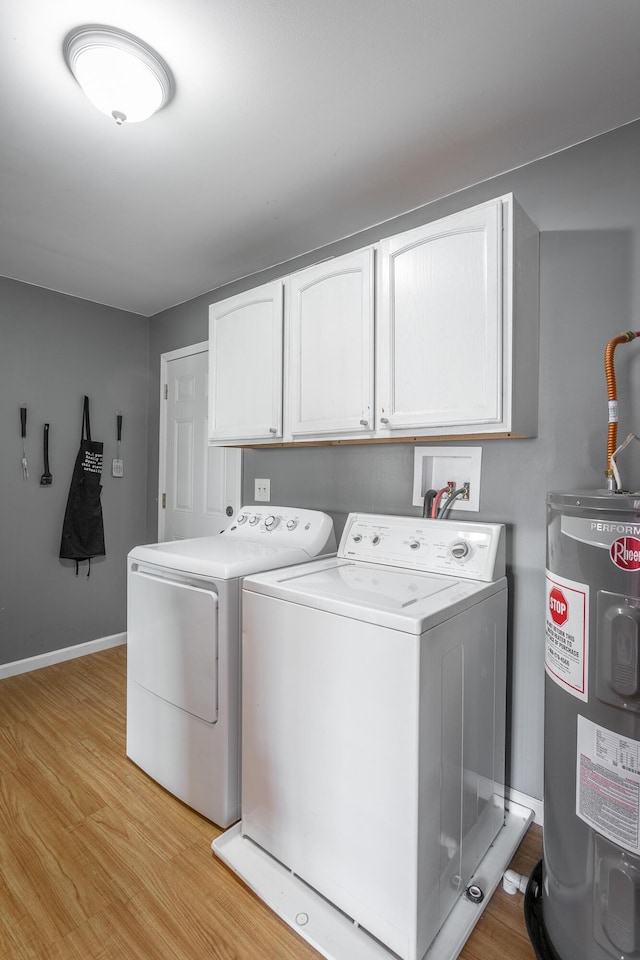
(525, 801)
(57, 656)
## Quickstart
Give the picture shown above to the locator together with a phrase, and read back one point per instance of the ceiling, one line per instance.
(295, 123)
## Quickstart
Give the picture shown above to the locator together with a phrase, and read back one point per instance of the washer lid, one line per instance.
(219, 557)
(404, 600)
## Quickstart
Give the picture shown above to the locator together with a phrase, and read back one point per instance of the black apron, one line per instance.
(82, 530)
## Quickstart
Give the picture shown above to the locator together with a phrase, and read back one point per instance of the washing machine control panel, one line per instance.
(311, 530)
(473, 551)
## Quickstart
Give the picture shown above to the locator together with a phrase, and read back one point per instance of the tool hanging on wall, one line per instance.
(23, 433)
(46, 479)
(117, 466)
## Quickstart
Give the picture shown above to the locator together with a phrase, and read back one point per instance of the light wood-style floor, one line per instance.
(97, 862)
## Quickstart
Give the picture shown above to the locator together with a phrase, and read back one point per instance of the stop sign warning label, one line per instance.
(558, 606)
(567, 634)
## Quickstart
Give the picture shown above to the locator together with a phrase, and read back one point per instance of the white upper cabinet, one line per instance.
(330, 316)
(452, 349)
(245, 366)
(452, 310)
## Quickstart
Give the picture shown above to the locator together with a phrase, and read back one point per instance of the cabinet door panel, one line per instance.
(440, 331)
(245, 365)
(330, 329)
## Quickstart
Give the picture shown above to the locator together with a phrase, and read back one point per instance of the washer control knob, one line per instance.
(459, 550)
(271, 522)
(414, 544)
(357, 537)
(254, 519)
(242, 518)
(375, 540)
(292, 524)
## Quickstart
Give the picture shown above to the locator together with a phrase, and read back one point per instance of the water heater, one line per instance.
(583, 900)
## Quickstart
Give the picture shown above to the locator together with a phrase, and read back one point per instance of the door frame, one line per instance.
(166, 358)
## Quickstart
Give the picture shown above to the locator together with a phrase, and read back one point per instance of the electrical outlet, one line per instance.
(262, 491)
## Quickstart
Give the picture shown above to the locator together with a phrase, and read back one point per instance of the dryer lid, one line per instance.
(220, 558)
(256, 539)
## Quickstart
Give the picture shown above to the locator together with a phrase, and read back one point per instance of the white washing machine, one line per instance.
(373, 739)
(183, 649)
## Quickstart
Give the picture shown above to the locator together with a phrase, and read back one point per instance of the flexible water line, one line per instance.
(612, 397)
(446, 509)
(436, 501)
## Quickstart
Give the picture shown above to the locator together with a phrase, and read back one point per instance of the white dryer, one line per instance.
(374, 688)
(183, 649)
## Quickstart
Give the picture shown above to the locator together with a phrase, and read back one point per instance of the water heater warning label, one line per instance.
(608, 784)
(567, 634)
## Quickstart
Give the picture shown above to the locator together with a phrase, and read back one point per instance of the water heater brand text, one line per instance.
(625, 553)
(631, 529)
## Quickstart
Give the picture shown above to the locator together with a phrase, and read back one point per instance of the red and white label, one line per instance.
(625, 553)
(567, 634)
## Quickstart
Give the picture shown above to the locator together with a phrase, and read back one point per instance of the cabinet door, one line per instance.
(439, 340)
(330, 335)
(245, 365)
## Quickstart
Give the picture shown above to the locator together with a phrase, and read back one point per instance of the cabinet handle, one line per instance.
(272, 430)
(384, 420)
(364, 423)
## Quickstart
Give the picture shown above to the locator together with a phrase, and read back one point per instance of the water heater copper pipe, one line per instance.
(612, 394)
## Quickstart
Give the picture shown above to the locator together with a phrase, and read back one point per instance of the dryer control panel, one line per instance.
(311, 530)
(467, 550)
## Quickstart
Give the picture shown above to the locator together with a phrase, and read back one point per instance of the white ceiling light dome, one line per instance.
(120, 74)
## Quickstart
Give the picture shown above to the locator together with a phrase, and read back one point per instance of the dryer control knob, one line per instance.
(460, 550)
(271, 522)
(292, 524)
(253, 520)
(375, 540)
(357, 537)
(414, 545)
(242, 518)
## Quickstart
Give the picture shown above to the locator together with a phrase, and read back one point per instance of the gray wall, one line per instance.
(53, 350)
(585, 203)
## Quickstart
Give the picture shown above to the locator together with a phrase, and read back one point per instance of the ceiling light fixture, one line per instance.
(120, 74)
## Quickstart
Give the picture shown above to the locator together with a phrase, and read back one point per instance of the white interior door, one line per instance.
(200, 486)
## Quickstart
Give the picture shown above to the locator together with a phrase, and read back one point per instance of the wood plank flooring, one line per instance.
(98, 862)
